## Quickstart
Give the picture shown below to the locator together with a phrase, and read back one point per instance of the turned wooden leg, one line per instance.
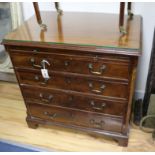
(38, 16)
(130, 14)
(121, 18)
(32, 124)
(59, 11)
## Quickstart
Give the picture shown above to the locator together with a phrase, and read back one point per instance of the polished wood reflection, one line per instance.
(95, 29)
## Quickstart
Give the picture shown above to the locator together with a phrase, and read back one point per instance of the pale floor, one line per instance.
(13, 127)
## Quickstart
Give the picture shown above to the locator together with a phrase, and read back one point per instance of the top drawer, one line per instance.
(107, 67)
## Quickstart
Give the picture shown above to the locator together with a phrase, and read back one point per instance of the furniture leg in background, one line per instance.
(121, 15)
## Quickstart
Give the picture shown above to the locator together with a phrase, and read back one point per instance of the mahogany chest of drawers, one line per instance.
(90, 71)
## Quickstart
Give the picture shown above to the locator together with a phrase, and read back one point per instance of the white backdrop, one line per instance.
(145, 9)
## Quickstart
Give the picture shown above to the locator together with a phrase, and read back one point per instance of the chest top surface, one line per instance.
(97, 30)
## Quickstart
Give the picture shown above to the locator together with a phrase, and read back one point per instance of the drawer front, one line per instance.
(75, 118)
(74, 83)
(103, 67)
(57, 98)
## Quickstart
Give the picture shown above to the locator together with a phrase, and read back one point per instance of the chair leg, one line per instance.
(58, 8)
(38, 16)
(130, 14)
(121, 18)
(37, 12)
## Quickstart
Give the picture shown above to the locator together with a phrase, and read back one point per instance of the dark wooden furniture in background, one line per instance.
(121, 14)
(91, 71)
(150, 85)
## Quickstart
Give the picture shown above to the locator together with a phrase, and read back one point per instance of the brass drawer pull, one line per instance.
(102, 87)
(103, 105)
(100, 72)
(33, 63)
(36, 77)
(44, 82)
(52, 116)
(66, 63)
(47, 100)
(43, 62)
(97, 124)
(34, 51)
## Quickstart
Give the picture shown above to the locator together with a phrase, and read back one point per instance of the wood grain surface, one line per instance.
(74, 28)
(14, 127)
